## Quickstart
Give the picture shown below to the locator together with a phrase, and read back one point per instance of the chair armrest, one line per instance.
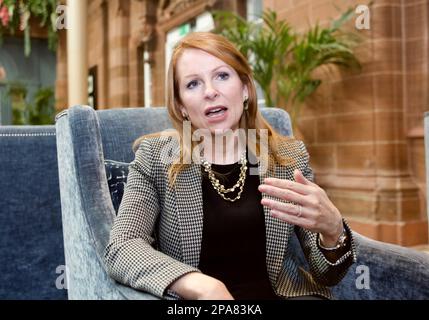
(385, 271)
(87, 210)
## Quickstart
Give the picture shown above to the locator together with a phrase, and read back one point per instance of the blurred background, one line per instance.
(352, 74)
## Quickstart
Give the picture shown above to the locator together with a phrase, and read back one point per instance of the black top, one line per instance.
(233, 243)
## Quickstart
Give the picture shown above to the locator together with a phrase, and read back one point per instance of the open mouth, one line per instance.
(214, 112)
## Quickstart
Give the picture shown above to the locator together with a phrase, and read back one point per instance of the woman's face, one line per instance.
(210, 90)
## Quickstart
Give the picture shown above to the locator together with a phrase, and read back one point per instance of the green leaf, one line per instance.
(27, 41)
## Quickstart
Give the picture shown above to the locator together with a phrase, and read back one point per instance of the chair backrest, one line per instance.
(85, 138)
(31, 240)
(119, 128)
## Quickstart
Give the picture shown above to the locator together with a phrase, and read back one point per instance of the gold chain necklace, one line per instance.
(221, 190)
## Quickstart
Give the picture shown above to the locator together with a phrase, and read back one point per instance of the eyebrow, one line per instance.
(193, 75)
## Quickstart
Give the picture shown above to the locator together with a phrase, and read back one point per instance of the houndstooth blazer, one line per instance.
(156, 236)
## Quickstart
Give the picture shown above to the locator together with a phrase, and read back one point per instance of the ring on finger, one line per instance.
(299, 211)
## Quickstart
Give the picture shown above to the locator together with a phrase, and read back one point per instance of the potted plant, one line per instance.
(18, 93)
(40, 111)
(284, 61)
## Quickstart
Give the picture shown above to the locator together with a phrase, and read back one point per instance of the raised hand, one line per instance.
(310, 207)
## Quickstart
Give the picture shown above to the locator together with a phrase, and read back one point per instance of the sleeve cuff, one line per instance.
(169, 294)
(345, 252)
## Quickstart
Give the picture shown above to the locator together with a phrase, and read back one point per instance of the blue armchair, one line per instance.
(86, 138)
(31, 237)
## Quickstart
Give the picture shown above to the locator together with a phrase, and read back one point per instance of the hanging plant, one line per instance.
(16, 14)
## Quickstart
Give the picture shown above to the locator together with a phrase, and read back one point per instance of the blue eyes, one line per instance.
(192, 84)
(220, 76)
(223, 75)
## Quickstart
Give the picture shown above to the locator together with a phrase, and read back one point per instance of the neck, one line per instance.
(224, 148)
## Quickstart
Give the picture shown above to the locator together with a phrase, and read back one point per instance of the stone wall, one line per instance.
(364, 131)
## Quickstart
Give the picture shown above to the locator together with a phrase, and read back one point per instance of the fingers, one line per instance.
(284, 194)
(288, 208)
(289, 218)
(288, 184)
(310, 206)
(290, 213)
(299, 178)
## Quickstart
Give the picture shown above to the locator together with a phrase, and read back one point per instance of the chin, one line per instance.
(220, 131)
(222, 128)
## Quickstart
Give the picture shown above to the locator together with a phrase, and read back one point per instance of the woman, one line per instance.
(211, 229)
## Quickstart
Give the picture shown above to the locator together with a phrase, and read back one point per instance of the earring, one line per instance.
(246, 103)
(185, 116)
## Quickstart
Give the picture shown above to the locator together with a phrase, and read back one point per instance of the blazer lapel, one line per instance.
(189, 201)
(276, 231)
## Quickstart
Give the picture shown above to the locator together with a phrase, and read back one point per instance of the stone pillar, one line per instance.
(77, 52)
(142, 26)
(416, 82)
(119, 33)
(61, 97)
(98, 53)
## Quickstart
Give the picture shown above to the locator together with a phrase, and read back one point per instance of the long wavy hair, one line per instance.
(251, 118)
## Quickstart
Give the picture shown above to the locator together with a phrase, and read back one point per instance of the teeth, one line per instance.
(215, 110)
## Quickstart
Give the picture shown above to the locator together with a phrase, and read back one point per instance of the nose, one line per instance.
(211, 92)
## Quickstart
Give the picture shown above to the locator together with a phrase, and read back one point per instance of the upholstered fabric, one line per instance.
(394, 273)
(87, 137)
(87, 210)
(31, 241)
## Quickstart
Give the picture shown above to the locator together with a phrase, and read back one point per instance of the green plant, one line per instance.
(17, 94)
(16, 14)
(40, 111)
(284, 61)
